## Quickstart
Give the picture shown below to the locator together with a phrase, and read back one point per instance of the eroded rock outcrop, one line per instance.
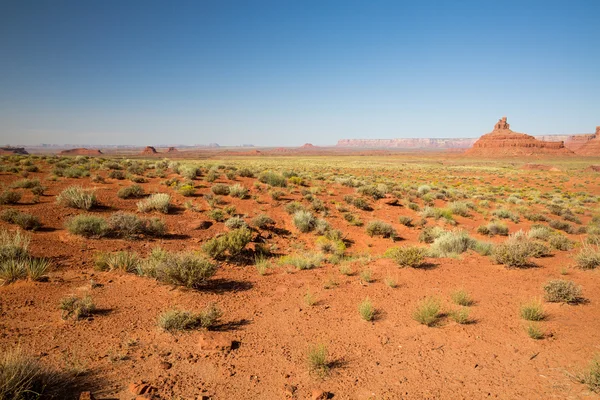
(592, 146)
(172, 150)
(502, 141)
(149, 150)
(7, 150)
(81, 151)
(408, 143)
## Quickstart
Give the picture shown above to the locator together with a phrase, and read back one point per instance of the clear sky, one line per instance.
(287, 72)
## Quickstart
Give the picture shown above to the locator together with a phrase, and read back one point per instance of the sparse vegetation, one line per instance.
(428, 311)
(562, 291)
(77, 197)
(180, 320)
(160, 202)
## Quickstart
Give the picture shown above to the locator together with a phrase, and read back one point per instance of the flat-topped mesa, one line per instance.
(6, 150)
(149, 150)
(81, 151)
(502, 141)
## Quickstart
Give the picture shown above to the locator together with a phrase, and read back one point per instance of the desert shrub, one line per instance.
(407, 256)
(534, 331)
(216, 214)
(22, 377)
(353, 219)
(562, 291)
(9, 197)
(380, 228)
(262, 221)
(517, 249)
(276, 194)
(532, 311)
(13, 269)
(87, 225)
(231, 243)
(160, 202)
(461, 297)
(130, 191)
(235, 223)
(588, 257)
(220, 189)
(535, 217)
(77, 308)
(372, 191)
(460, 316)
(182, 269)
(238, 191)
(406, 221)
(189, 171)
(246, 173)
(186, 190)
(451, 243)
(429, 234)
(24, 220)
(562, 226)
(540, 232)
(178, 320)
(361, 204)
(13, 245)
(427, 311)
(459, 208)
(116, 174)
(77, 197)
(366, 310)
(505, 214)
(493, 228)
(331, 246)
(122, 224)
(317, 360)
(262, 264)
(304, 221)
(294, 207)
(302, 261)
(591, 377)
(26, 183)
(272, 179)
(560, 242)
(123, 261)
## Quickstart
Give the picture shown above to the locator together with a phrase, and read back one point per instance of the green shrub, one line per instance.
(182, 269)
(318, 360)
(87, 225)
(24, 220)
(122, 224)
(407, 256)
(588, 257)
(116, 174)
(534, 331)
(493, 228)
(591, 377)
(123, 261)
(331, 246)
(22, 377)
(186, 190)
(532, 311)
(216, 214)
(451, 243)
(246, 173)
(77, 197)
(235, 223)
(189, 171)
(238, 191)
(262, 221)
(178, 320)
(461, 297)
(130, 191)
(13, 245)
(459, 208)
(304, 261)
(9, 197)
(561, 291)
(460, 316)
(515, 252)
(77, 308)
(361, 204)
(380, 228)
(304, 221)
(366, 310)
(294, 207)
(560, 242)
(429, 234)
(231, 243)
(26, 184)
(160, 202)
(427, 311)
(406, 221)
(220, 189)
(272, 179)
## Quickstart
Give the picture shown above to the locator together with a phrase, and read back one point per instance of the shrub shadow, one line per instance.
(226, 285)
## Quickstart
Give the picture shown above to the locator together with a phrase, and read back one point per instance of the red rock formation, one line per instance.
(502, 141)
(149, 150)
(308, 146)
(81, 151)
(172, 150)
(591, 147)
(593, 168)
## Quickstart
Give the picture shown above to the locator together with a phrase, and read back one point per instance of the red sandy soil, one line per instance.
(391, 358)
(540, 167)
(81, 151)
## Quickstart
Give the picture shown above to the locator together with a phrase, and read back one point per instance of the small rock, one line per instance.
(165, 365)
(289, 390)
(319, 395)
(213, 342)
(141, 387)
(86, 396)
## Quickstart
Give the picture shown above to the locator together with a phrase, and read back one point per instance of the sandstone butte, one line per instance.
(502, 141)
(8, 150)
(149, 150)
(592, 146)
(172, 150)
(81, 151)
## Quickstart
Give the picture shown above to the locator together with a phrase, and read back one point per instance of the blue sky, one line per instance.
(288, 72)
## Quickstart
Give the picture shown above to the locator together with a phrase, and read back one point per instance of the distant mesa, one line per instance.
(592, 146)
(172, 150)
(408, 143)
(309, 146)
(213, 145)
(149, 150)
(502, 141)
(7, 150)
(81, 151)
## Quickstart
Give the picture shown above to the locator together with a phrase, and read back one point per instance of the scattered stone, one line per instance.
(165, 365)
(212, 342)
(289, 390)
(319, 395)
